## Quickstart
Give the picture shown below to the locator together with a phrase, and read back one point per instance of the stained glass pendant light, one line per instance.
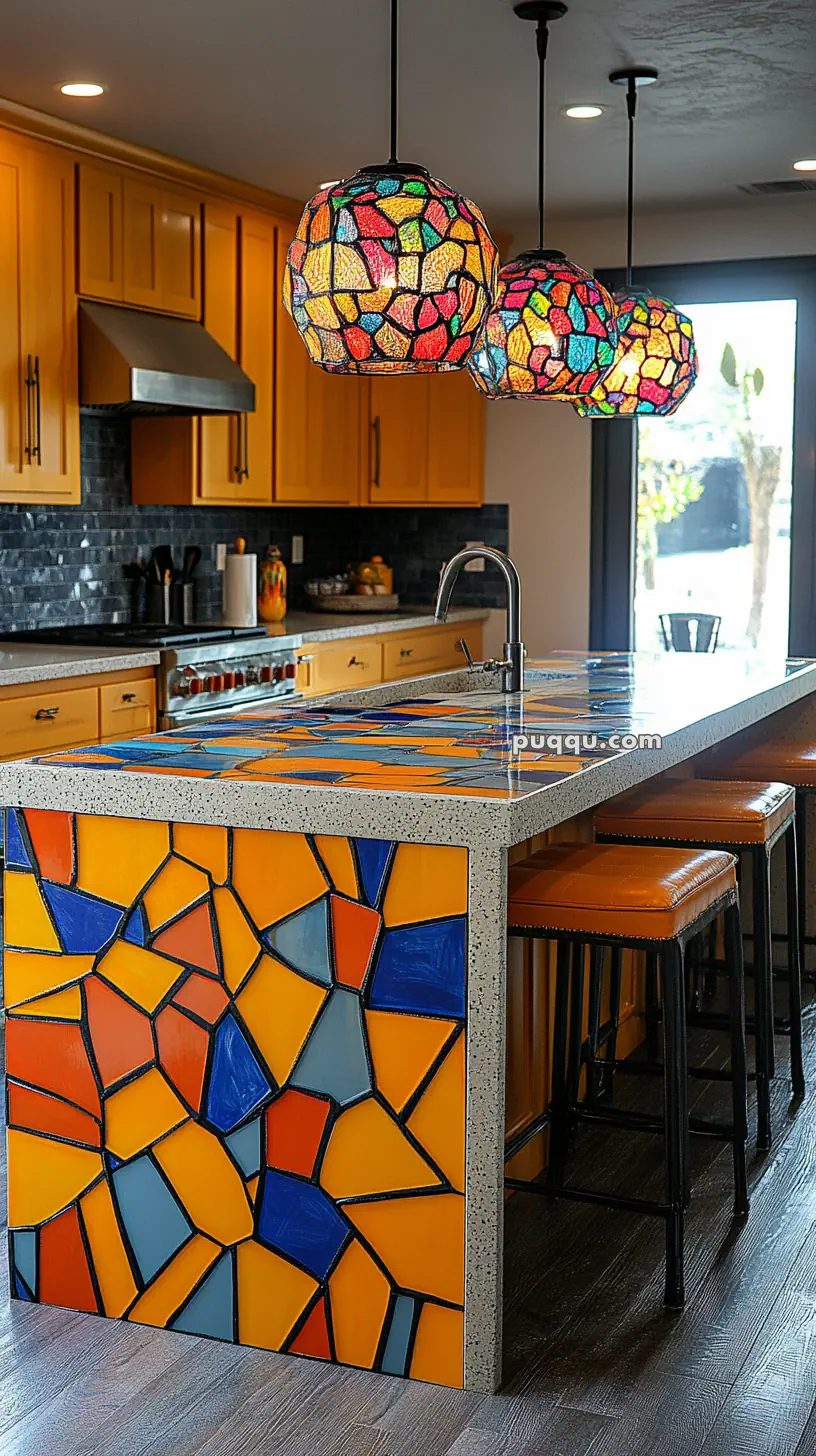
(656, 362)
(391, 272)
(552, 333)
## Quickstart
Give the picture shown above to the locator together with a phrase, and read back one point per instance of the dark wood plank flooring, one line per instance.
(593, 1365)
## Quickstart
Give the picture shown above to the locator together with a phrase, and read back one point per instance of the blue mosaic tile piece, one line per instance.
(84, 923)
(395, 1356)
(136, 928)
(299, 1221)
(237, 1083)
(334, 1059)
(245, 1146)
(210, 1311)
(373, 856)
(303, 941)
(154, 1223)
(16, 853)
(24, 1245)
(422, 968)
(21, 1291)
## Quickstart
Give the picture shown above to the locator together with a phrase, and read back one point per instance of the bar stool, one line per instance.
(739, 818)
(792, 763)
(659, 900)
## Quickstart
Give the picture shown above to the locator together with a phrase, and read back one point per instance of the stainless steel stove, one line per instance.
(205, 670)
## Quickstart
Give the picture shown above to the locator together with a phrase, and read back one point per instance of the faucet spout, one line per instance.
(513, 665)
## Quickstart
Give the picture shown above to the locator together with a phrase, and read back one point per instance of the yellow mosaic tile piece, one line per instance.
(113, 1272)
(403, 1048)
(116, 857)
(369, 1153)
(359, 1293)
(140, 1113)
(206, 845)
(427, 882)
(45, 1176)
(272, 1294)
(279, 1008)
(27, 974)
(207, 1183)
(438, 1121)
(252, 1188)
(239, 946)
(26, 919)
(144, 977)
(64, 1005)
(274, 874)
(439, 1346)
(174, 889)
(337, 856)
(160, 1302)
(420, 1240)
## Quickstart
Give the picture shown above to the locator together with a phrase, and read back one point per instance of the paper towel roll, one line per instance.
(241, 591)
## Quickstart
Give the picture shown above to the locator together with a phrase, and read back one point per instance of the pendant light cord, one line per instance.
(631, 109)
(394, 76)
(542, 38)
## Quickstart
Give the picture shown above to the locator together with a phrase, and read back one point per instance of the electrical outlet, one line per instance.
(475, 565)
(297, 550)
(221, 556)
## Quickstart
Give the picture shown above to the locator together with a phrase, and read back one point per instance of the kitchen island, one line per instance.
(255, 978)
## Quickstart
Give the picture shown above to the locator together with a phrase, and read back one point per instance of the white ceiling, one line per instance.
(287, 93)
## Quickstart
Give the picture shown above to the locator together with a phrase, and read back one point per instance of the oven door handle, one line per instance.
(205, 714)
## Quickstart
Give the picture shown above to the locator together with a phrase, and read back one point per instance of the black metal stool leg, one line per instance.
(559, 1108)
(652, 1008)
(739, 1075)
(763, 994)
(676, 1118)
(801, 874)
(615, 980)
(596, 967)
(794, 962)
(576, 1024)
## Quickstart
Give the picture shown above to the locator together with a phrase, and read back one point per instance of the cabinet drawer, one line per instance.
(413, 654)
(340, 666)
(126, 708)
(48, 720)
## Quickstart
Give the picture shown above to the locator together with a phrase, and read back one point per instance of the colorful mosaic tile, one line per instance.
(392, 272)
(655, 365)
(236, 1089)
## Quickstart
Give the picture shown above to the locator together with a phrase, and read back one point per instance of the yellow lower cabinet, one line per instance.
(434, 649)
(336, 667)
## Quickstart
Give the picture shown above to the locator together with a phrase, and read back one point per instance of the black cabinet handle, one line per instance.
(128, 697)
(37, 447)
(29, 383)
(46, 715)
(375, 425)
(246, 447)
(239, 454)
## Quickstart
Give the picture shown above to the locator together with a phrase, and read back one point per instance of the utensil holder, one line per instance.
(159, 604)
(184, 602)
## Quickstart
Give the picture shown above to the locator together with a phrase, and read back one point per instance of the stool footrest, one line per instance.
(515, 1144)
(589, 1195)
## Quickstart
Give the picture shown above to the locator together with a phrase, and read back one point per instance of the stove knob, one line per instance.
(252, 674)
(229, 679)
(182, 687)
(278, 673)
(266, 673)
(216, 682)
(196, 685)
(290, 670)
(239, 679)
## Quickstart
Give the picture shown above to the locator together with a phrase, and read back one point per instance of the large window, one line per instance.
(711, 511)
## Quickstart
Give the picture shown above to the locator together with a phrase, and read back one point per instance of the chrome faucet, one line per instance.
(512, 667)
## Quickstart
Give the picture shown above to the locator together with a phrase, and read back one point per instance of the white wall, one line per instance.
(538, 455)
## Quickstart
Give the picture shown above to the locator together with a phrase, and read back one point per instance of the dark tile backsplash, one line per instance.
(63, 564)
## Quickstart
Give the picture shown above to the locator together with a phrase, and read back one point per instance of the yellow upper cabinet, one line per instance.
(426, 440)
(39, 401)
(456, 440)
(319, 417)
(139, 241)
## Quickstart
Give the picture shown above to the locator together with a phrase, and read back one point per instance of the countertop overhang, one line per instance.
(692, 703)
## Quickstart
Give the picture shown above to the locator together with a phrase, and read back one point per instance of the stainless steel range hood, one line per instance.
(145, 363)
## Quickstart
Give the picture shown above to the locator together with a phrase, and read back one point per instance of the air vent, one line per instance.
(783, 188)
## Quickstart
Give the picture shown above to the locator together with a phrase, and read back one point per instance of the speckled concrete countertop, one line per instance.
(39, 663)
(326, 626)
(433, 760)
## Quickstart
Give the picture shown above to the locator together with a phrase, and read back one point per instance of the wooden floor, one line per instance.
(593, 1365)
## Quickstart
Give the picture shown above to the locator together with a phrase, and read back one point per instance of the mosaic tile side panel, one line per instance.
(236, 1085)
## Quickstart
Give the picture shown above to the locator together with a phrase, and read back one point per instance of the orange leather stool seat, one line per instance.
(793, 762)
(714, 811)
(623, 890)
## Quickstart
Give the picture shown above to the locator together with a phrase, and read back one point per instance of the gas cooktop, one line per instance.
(128, 634)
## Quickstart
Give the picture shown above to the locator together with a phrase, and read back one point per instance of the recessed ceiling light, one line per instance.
(583, 113)
(81, 88)
(808, 164)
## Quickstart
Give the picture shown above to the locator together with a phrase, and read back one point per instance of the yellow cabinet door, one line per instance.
(161, 248)
(456, 438)
(13, 427)
(257, 318)
(49, 324)
(338, 667)
(219, 479)
(398, 472)
(318, 417)
(99, 232)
